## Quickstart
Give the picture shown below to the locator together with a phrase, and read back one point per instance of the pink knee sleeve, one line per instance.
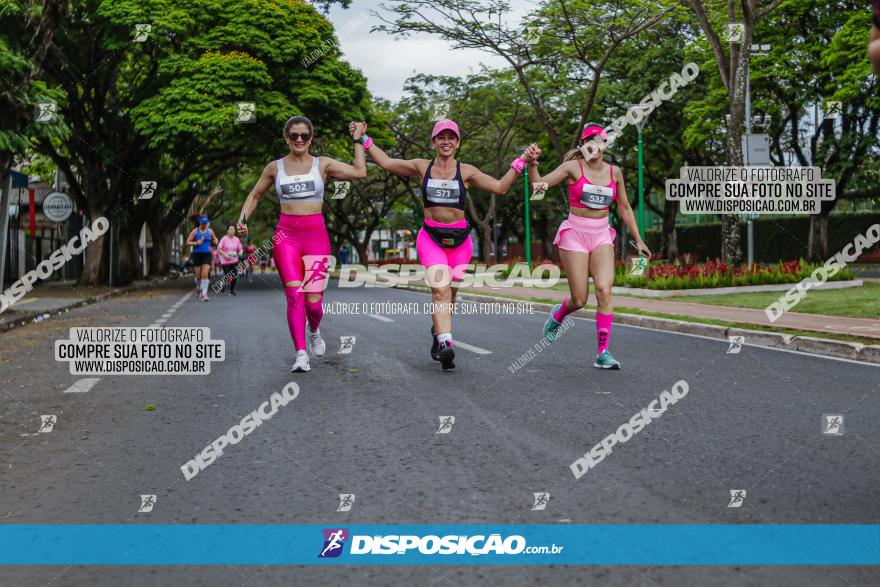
(603, 330)
(314, 312)
(296, 316)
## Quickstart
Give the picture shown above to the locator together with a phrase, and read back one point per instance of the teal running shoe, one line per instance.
(606, 361)
(551, 325)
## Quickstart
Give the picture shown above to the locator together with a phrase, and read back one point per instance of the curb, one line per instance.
(807, 344)
(642, 292)
(25, 319)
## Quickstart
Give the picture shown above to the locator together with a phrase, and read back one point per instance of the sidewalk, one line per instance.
(861, 327)
(55, 297)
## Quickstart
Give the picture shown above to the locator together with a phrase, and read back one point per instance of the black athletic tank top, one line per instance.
(449, 193)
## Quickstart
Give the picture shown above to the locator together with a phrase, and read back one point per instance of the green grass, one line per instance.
(854, 302)
(743, 325)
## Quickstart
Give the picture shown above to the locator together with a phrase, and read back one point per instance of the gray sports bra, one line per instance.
(299, 188)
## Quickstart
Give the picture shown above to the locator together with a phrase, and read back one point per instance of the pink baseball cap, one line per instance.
(445, 124)
(591, 129)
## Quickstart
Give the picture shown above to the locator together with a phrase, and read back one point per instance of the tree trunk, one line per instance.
(731, 246)
(130, 266)
(160, 254)
(668, 241)
(93, 267)
(823, 237)
(361, 247)
(486, 242)
(621, 238)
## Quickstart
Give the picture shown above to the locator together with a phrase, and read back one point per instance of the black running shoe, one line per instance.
(446, 355)
(434, 345)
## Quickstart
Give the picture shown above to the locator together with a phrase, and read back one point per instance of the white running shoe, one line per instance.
(317, 343)
(301, 365)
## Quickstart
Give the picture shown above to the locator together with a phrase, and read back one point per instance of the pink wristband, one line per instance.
(367, 143)
(518, 164)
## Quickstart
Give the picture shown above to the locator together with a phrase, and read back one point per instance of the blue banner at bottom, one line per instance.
(453, 544)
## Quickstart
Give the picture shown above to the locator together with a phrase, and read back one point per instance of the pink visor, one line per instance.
(445, 124)
(592, 130)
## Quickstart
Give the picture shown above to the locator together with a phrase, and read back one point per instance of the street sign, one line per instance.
(57, 207)
(756, 147)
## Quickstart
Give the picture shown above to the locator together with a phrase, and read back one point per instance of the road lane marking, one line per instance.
(170, 312)
(470, 347)
(378, 317)
(83, 385)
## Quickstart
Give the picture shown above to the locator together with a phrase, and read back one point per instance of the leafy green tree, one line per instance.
(26, 33)
(565, 47)
(163, 106)
(824, 61)
(731, 50)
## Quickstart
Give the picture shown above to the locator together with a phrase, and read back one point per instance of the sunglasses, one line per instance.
(302, 135)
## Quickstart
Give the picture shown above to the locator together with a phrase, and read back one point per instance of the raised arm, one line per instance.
(250, 204)
(473, 176)
(874, 45)
(487, 183)
(401, 167)
(341, 170)
(553, 178)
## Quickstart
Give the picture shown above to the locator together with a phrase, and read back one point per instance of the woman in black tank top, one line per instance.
(444, 244)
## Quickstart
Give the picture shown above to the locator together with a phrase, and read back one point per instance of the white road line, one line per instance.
(83, 385)
(167, 315)
(754, 346)
(468, 347)
(378, 317)
(161, 320)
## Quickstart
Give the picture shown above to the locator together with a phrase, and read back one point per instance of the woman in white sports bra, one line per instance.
(301, 241)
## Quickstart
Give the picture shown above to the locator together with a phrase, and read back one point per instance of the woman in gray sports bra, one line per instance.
(302, 246)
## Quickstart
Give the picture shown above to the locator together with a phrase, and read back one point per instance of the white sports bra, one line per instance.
(299, 188)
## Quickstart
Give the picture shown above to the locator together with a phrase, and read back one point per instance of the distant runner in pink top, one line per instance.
(229, 250)
(586, 239)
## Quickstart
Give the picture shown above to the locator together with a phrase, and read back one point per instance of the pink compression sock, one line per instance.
(296, 316)
(314, 312)
(603, 330)
(562, 312)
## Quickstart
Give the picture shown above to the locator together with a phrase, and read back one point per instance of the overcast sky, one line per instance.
(387, 63)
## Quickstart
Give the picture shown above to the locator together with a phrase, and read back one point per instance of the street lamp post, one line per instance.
(757, 50)
(520, 151)
(640, 111)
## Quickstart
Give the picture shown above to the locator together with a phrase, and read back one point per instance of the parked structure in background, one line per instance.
(29, 232)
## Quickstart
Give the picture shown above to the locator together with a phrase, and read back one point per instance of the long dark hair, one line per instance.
(316, 145)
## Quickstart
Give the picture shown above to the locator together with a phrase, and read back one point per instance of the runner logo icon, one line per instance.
(317, 268)
(541, 500)
(346, 500)
(446, 423)
(737, 496)
(832, 424)
(147, 503)
(334, 541)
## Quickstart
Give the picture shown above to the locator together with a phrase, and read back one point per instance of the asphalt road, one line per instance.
(366, 423)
